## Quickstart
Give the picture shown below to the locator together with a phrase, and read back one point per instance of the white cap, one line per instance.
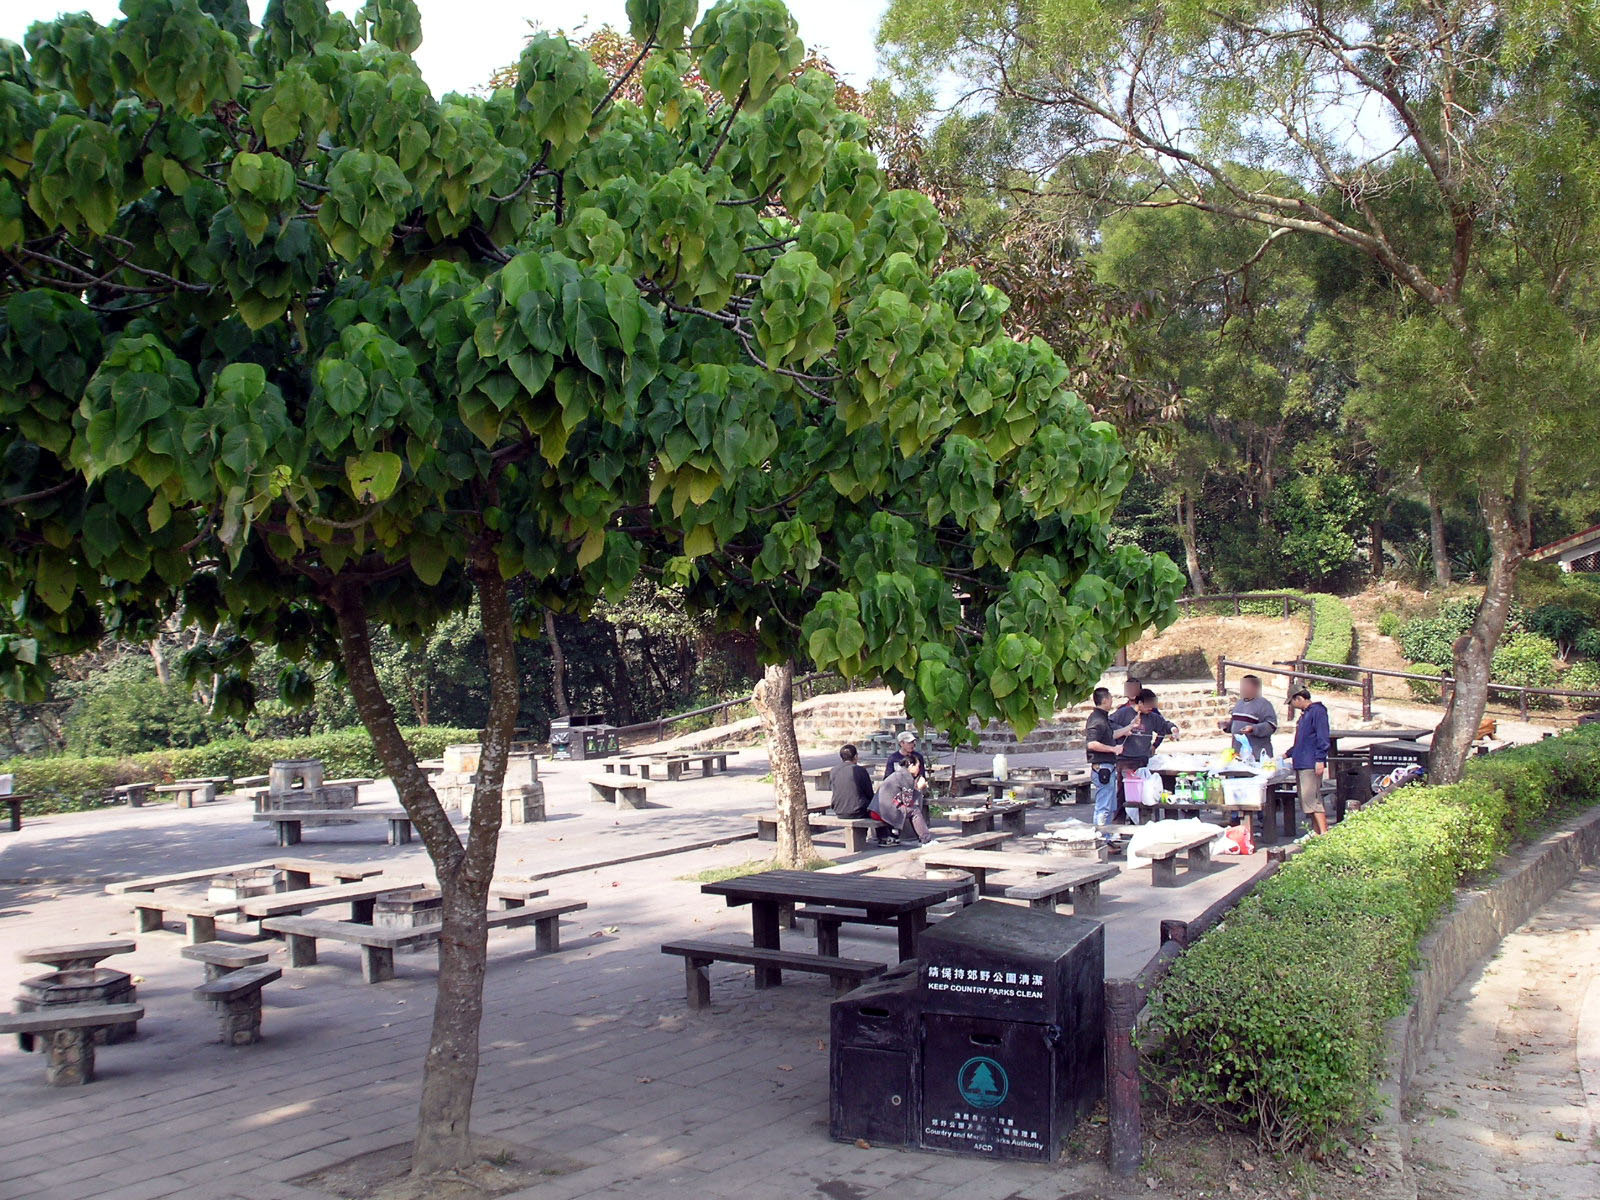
(906, 736)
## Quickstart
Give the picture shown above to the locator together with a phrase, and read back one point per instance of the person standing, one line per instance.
(1140, 734)
(1253, 716)
(1131, 687)
(851, 785)
(1101, 744)
(1309, 754)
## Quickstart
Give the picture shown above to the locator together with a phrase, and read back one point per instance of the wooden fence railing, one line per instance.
(1296, 672)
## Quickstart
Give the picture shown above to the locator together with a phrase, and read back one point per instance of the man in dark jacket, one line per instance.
(1100, 743)
(1309, 755)
(852, 786)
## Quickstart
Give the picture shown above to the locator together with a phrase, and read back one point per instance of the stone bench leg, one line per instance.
(1200, 858)
(766, 831)
(377, 964)
(842, 984)
(857, 838)
(288, 832)
(547, 934)
(828, 936)
(148, 920)
(399, 831)
(201, 928)
(1164, 871)
(697, 979)
(240, 1019)
(71, 1060)
(361, 910)
(1014, 822)
(1085, 899)
(302, 950)
(1043, 904)
(601, 793)
(979, 874)
(296, 881)
(674, 772)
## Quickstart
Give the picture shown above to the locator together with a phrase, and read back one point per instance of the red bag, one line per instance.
(1239, 835)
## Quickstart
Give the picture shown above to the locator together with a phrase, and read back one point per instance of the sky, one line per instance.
(463, 41)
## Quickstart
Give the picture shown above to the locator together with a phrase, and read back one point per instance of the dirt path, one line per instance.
(1508, 1102)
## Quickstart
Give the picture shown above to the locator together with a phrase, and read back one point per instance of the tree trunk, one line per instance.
(158, 656)
(1437, 543)
(558, 666)
(1376, 551)
(774, 701)
(450, 1070)
(622, 690)
(1474, 650)
(1191, 544)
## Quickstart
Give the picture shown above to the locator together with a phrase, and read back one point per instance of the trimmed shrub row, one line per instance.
(1334, 639)
(1274, 1020)
(66, 783)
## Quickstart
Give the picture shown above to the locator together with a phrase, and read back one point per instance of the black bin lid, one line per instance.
(993, 959)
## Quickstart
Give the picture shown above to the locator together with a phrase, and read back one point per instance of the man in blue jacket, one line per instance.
(1309, 755)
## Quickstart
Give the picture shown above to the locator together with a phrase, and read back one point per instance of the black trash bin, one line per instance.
(1013, 1030)
(1386, 756)
(874, 1062)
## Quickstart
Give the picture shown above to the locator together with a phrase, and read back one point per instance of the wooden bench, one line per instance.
(624, 793)
(981, 862)
(1076, 785)
(845, 973)
(83, 956)
(1163, 857)
(360, 896)
(150, 911)
(70, 1029)
(827, 921)
(855, 829)
(236, 999)
(1081, 886)
(220, 958)
(287, 822)
(378, 945)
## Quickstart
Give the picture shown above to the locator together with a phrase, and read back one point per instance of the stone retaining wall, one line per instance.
(1461, 940)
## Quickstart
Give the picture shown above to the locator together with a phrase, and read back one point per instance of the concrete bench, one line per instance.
(134, 795)
(515, 893)
(288, 822)
(711, 762)
(1077, 786)
(185, 792)
(1012, 814)
(981, 862)
(298, 873)
(1163, 857)
(845, 973)
(236, 999)
(360, 896)
(70, 1029)
(624, 793)
(83, 956)
(1081, 886)
(378, 945)
(855, 829)
(150, 911)
(220, 958)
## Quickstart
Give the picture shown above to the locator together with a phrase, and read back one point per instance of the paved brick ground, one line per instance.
(589, 1053)
(1508, 1103)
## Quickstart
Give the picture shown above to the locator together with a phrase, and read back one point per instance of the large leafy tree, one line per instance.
(288, 343)
(1449, 144)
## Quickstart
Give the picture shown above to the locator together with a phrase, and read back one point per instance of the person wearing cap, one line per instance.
(911, 757)
(1253, 716)
(1309, 754)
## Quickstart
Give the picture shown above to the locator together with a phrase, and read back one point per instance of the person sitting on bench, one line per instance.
(852, 786)
(898, 804)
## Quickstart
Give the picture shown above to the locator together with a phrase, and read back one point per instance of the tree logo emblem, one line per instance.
(983, 1082)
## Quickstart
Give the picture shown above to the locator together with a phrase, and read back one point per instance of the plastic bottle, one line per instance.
(1001, 768)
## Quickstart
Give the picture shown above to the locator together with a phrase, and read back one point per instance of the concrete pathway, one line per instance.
(1508, 1103)
(588, 1054)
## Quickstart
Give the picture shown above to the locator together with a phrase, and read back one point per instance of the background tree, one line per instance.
(1468, 187)
(289, 344)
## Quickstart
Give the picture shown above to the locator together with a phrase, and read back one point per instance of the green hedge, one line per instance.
(68, 784)
(1334, 639)
(1274, 1020)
